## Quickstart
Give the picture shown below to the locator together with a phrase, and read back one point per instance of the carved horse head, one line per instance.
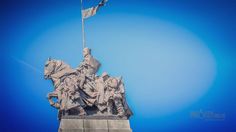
(54, 66)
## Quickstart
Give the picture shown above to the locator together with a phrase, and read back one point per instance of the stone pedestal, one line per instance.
(94, 125)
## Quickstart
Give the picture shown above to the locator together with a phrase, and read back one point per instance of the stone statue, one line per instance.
(88, 67)
(112, 96)
(80, 92)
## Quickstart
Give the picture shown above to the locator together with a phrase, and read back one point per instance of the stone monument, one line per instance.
(87, 102)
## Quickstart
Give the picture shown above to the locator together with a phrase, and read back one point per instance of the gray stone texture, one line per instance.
(94, 125)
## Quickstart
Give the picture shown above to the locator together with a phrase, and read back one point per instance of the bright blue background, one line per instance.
(176, 57)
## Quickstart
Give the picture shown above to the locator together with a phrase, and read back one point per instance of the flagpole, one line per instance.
(82, 20)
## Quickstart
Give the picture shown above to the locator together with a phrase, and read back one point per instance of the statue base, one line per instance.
(94, 125)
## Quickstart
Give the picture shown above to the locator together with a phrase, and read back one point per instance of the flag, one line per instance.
(86, 13)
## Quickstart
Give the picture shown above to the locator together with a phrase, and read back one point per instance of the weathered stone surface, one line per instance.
(71, 125)
(113, 124)
(94, 125)
(119, 126)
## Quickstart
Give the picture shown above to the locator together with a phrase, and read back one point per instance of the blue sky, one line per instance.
(176, 57)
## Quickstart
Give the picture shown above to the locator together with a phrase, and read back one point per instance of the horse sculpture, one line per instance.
(95, 96)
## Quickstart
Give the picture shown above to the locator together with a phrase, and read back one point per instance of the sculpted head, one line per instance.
(113, 83)
(86, 51)
(48, 68)
(105, 76)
